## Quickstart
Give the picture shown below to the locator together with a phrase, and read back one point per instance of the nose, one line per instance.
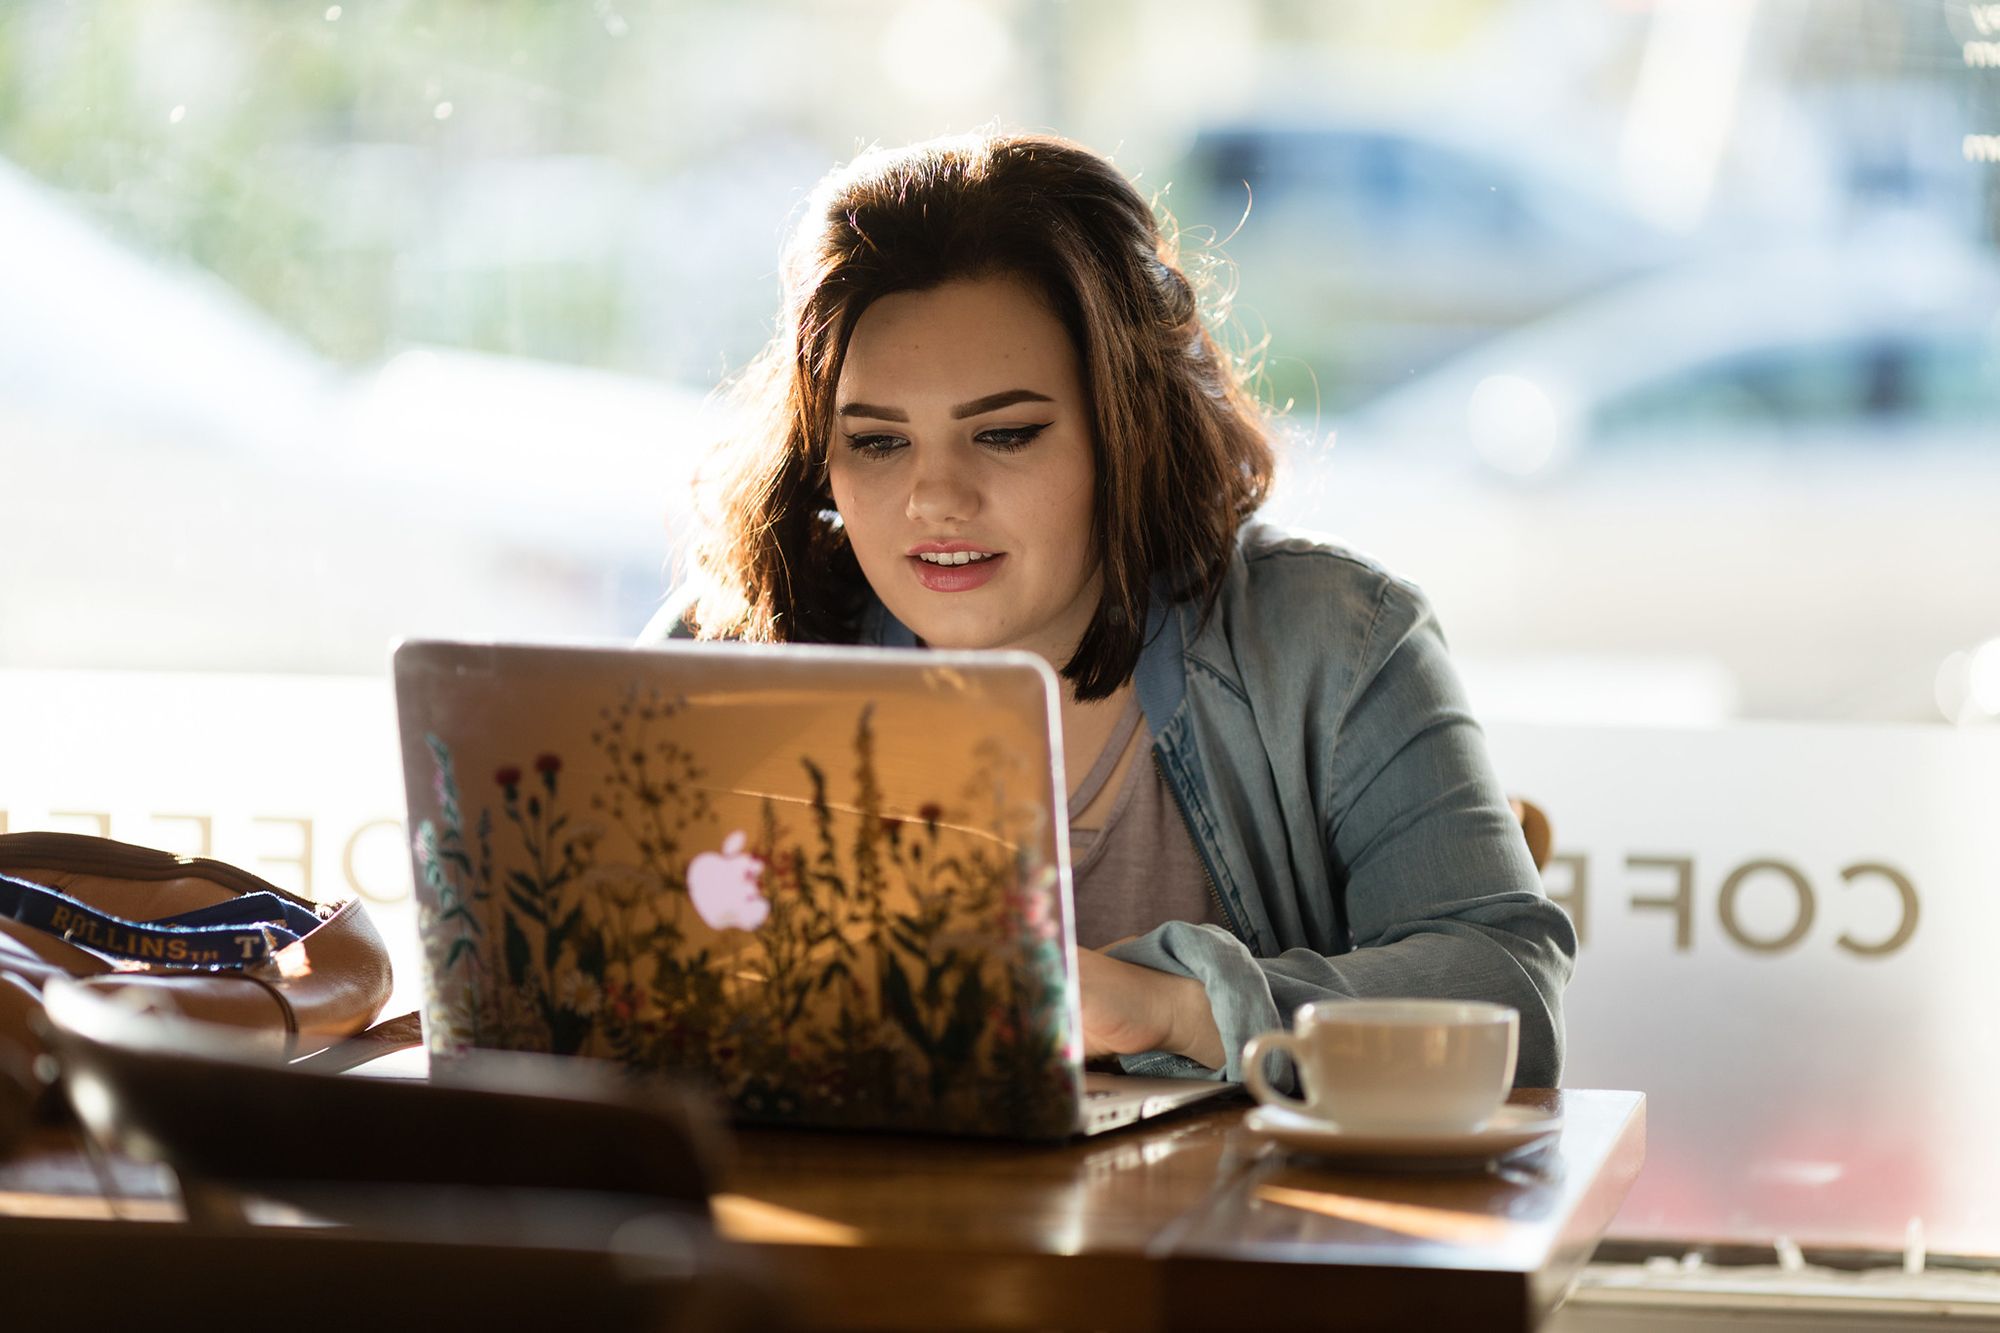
(941, 492)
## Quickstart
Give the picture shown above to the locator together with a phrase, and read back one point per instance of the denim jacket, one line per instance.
(1317, 741)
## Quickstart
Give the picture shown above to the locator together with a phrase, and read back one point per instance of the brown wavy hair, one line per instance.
(1181, 449)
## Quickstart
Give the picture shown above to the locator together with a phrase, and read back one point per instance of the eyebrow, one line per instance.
(992, 402)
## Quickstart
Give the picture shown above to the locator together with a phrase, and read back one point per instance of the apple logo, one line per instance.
(724, 887)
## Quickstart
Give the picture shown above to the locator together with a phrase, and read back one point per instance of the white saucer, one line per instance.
(1511, 1129)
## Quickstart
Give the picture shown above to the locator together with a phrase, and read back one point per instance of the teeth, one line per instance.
(952, 557)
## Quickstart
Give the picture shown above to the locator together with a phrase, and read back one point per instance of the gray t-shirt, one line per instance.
(1139, 867)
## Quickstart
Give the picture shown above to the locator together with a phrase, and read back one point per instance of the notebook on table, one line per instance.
(833, 882)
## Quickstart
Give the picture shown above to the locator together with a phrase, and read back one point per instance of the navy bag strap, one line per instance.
(226, 937)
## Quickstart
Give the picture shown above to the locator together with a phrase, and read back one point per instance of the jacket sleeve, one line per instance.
(1440, 895)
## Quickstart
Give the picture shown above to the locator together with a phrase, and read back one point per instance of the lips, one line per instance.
(955, 578)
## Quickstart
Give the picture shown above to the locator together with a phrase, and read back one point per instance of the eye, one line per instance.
(874, 446)
(1009, 438)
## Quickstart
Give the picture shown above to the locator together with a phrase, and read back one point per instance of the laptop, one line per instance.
(832, 882)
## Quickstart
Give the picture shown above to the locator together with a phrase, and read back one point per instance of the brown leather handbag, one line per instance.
(187, 935)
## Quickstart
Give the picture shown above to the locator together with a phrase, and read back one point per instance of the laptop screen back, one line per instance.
(828, 880)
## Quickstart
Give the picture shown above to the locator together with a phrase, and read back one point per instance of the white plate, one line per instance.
(1511, 1129)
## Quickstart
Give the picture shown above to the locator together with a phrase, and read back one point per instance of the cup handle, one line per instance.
(1254, 1051)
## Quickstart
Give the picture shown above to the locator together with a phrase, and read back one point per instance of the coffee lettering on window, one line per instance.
(304, 859)
(1680, 902)
(347, 867)
(1906, 896)
(204, 831)
(1802, 919)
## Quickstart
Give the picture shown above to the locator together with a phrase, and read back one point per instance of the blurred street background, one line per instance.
(1656, 340)
(1659, 340)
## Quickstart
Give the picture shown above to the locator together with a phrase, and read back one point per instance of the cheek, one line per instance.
(1074, 506)
(856, 508)
(840, 485)
(1082, 562)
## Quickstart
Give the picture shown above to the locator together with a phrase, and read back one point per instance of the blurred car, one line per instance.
(194, 488)
(1421, 238)
(1777, 468)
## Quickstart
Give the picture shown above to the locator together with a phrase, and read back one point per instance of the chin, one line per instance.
(944, 632)
(957, 642)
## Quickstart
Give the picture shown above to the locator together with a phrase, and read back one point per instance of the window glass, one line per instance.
(1826, 391)
(1958, 378)
(1660, 343)
(1770, 390)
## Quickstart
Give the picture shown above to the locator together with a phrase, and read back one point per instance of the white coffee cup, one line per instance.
(1394, 1066)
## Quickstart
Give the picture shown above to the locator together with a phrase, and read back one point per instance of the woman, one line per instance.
(992, 417)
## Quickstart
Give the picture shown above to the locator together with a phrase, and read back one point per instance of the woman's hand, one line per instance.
(1128, 1009)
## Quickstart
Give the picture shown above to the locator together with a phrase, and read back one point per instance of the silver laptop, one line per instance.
(834, 882)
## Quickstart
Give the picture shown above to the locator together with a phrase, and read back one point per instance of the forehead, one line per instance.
(963, 338)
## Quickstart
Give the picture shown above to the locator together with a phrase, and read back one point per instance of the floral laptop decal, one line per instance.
(828, 882)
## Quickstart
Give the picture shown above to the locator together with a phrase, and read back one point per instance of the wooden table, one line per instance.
(1190, 1222)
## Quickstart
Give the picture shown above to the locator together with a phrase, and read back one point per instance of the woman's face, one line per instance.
(961, 434)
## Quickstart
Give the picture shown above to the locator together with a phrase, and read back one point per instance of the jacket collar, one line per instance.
(1161, 676)
(879, 629)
